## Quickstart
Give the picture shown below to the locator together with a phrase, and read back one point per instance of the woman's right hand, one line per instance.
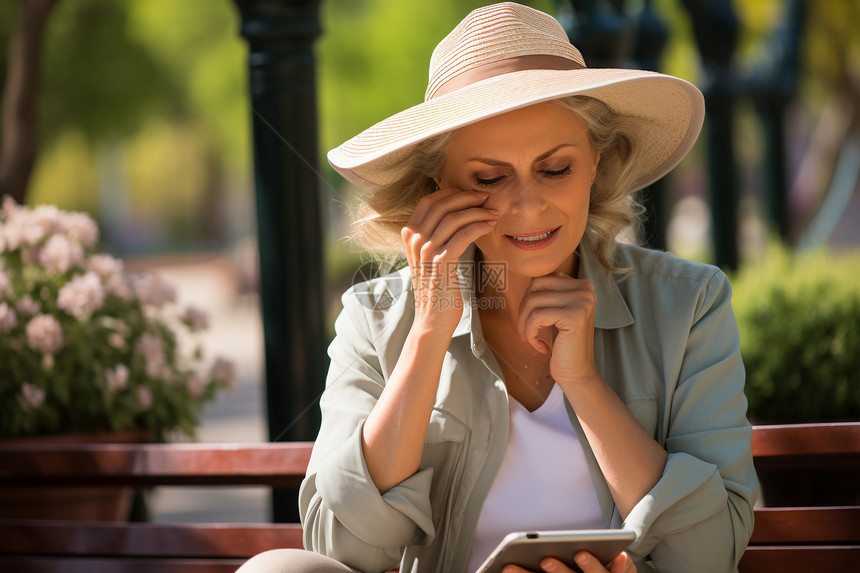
(442, 226)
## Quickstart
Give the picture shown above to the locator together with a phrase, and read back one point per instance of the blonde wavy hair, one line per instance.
(383, 211)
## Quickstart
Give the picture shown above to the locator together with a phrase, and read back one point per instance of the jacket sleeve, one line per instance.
(343, 514)
(699, 516)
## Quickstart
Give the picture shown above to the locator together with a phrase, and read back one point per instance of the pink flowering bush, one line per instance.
(87, 347)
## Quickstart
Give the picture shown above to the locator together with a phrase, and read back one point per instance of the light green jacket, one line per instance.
(665, 340)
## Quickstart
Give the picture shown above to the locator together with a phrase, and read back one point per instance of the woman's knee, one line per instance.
(274, 561)
(292, 560)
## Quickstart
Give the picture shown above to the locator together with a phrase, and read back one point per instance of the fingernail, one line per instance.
(494, 212)
(581, 559)
(492, 223)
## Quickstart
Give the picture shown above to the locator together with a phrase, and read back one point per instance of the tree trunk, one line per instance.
(21, 98)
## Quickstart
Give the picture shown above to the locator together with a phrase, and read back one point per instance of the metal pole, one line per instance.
(772, 85)
(280, 37)
(722, 174)
(716, 29)
(772, 114)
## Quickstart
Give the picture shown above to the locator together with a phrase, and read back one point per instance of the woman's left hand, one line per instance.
(566, 305)
(586, 561)
(630, 459)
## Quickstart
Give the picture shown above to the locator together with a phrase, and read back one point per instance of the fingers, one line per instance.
(549, 565)
(565, 303)
(441, 228)
(459, 229)
(445, 223)
(552, 565)
(445, 243)
(586, 561)
(558, 282)
(514, 569)
(590, 564)
(433, 207)
(426, 203)
(622, 564)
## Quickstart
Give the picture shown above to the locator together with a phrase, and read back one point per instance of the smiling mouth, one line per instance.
(535, 237)
(534, 240)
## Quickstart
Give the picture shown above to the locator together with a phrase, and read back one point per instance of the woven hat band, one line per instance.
(506, 66)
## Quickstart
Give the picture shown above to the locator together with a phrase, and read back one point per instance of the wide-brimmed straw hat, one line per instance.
(508, 56)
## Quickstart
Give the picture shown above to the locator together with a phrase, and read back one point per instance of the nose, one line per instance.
(524, 197)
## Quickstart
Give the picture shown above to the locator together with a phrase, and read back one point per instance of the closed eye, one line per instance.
(550, 174)
(488, 182)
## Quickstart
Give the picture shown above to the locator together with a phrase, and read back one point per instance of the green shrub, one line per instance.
(799, 322)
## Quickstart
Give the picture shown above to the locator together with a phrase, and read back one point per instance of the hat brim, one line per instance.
(673, 110)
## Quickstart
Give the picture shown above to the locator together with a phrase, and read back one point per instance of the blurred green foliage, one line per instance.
(97, 78)
(158, 87)
(799, 321)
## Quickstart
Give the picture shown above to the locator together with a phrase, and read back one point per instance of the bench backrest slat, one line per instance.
(806, 440)
(275, 464)
(807, 525)
(780, 559)
(202, 540)
(125, 565)
(284, 463)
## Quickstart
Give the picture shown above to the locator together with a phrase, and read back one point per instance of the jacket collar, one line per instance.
(612, 309)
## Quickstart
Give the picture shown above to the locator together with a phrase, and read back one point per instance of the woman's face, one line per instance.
(537, 165)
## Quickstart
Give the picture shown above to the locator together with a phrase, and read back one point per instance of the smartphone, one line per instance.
(528, 548)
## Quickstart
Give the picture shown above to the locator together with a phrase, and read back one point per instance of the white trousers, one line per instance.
(293, 561)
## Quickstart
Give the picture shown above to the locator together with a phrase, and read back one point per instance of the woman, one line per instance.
(538, 374)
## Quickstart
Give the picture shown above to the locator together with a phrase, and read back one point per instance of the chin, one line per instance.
(537, 266)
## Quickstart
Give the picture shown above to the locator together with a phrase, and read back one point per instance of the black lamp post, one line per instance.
(280, 35)
(716, 29)
(772, 85)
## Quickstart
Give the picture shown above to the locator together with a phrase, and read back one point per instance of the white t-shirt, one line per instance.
(543, 483)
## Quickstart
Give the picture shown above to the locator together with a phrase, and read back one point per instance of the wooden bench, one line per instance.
(45, 546)
(806, 527)
(785, 538)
